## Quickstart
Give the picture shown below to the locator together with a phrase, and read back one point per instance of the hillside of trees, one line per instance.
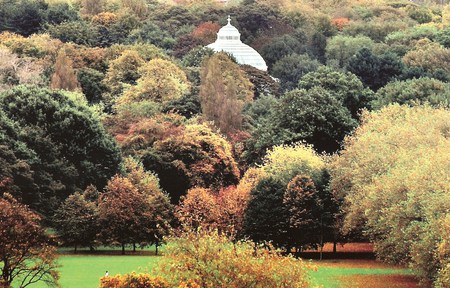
(117, 125)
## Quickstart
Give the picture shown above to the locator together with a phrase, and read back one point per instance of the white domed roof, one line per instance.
(229, 40)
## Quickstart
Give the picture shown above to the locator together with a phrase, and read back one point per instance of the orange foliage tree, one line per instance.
(26, 256)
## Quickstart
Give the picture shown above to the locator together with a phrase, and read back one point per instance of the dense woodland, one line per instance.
(117, 125)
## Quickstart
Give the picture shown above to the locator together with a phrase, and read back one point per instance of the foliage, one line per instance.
(59, 161)
(381, 175)
(281, 47)
(290, 69)
(198, 209)
(26, 254)
(133, 280)
(413, 92)
(15, 70)
(224, 90)
(77, 31)
(342, 48)
(266, 217)
(76, 221)
(23, 17)
(263, 83)
(375, 71)
(212, 260)
(345, 87)
(184, 155)
(133, 209)
(64, 76)
(428, 55)
(159, 80)
(91, 84)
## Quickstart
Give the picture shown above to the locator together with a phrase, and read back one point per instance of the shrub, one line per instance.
(134, 280)
(212, 260)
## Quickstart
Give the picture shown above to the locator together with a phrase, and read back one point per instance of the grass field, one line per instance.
(84, 270)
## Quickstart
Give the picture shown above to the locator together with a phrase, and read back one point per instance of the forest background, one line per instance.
(117, 125)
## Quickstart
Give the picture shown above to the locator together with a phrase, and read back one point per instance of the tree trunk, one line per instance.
(123, 248)
(334, 247)
(156, 247)
(75, 249)
(134, 247)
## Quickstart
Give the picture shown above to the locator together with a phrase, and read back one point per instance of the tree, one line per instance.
(183, 155)
(160, 81)
(375, 71)
(77, 31)
(280, 47)
(263, 83)
(265, 217)
(23, 17)
(428, 55)
(59, 161)
(393, 178)
(119, 209)
(122, 73)
(76, 221)
(198, 209)
(155, 222)
(91, 84)
(290, 69)
(342, 48)
(224, 90)
(314, 116)
(302, 205)
(64, 76)
(413, 92)
(345, 87)
(26, 255)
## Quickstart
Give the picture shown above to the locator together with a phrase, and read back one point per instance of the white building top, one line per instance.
(229, 40)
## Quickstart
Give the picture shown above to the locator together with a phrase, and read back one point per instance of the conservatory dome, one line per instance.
(229, 40)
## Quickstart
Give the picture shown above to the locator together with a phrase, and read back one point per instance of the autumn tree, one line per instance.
(428, 55)
(381, 175)
(119, 209)
(302, 209)
(156, 221)
(64, 76)
(224, 90)
(26, 254)
(198, 209)
(160, 81)
(122, 73)
(184, 155)
(76, 221)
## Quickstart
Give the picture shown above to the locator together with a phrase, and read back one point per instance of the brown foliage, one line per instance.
(25, 252)
(64, 76)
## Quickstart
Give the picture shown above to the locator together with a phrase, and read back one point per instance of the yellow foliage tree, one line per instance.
(224, 90)
(394, 176)
(160, 81)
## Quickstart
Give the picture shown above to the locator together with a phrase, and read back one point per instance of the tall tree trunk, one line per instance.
(156, 247)
(75, 250)
(334, 247)
(123, 248)
(134, 247)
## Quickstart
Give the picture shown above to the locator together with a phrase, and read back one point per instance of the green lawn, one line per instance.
(85, 270)
(360, 273)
